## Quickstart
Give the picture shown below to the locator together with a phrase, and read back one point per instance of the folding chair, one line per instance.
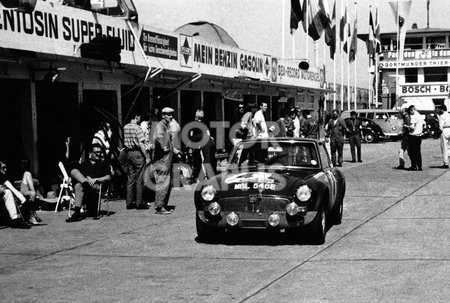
(102, 195)
(66, 188)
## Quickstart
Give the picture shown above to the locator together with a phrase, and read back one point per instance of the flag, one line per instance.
(400, 9)
(353, 43)
(377, 35)
(343, 25)
(317, 17)
(330, 33)
(347, 36)
(296, 14)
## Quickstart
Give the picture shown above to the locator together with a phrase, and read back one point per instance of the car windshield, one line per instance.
(290, 153)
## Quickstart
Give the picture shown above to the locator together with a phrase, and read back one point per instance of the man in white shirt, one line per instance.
(444, 125)
(415, 139)
(260, 122)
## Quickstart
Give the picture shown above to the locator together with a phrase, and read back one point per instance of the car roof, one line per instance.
(284, 139)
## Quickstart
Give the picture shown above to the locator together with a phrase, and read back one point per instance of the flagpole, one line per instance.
(356, 41)
(398, 58)
(370, 61)
(376, 65)
(334, 60)
(349, 95)
(283, 12)
(307, 29)
(323, 66)
(341, 45)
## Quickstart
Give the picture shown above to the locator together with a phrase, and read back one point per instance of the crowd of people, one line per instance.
(152, 143)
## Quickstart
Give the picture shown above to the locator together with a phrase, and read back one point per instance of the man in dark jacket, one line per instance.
(335, 129)
(310, 128)
(354, 135)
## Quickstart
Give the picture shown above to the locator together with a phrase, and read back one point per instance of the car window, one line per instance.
(370, 115)
(324, 157)
(275, 153)
(362, 115)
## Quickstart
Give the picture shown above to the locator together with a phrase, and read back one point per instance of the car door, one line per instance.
(330, 173)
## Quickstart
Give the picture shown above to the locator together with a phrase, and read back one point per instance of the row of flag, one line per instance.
(316, 20)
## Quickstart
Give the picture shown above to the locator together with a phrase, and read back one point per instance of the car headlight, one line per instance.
(208, 193)
(214, 208)
(233, 219)
(292, 209)
(303, 193)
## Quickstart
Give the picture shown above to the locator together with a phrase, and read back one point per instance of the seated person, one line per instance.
(27, 208)
(87, 178)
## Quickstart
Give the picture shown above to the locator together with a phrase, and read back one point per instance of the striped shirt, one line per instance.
(132, 135)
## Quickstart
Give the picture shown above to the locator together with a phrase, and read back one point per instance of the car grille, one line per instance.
(263, 204)
(254, 223)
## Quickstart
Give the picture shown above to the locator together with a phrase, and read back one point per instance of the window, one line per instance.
(435, 42)
(411, 75)
(414, 43)
(435, 74)
(363, 115)
(370, 115)
(324, 158)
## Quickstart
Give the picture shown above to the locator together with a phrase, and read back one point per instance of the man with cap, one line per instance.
(133, 158)
(354, 135)
(162, 161)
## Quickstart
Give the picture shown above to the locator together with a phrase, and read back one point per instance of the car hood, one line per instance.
(259, 181)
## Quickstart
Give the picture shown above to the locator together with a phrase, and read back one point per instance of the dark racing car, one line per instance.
(275, 184)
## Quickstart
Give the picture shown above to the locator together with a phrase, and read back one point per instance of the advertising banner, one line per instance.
(414, 64)
(424, 90)
(60, 30)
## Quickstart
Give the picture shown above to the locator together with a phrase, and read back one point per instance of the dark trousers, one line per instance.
(163, 180)
(355, 141)
(337, 145)
(133, 163)
(414, 151)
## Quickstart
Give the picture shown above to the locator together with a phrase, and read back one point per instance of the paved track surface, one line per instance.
(392, 246)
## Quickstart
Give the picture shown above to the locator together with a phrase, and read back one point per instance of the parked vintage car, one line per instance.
(371, 132)
(274, 184)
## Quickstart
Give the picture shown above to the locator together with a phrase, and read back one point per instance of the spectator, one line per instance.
(415, 139)
(281, 122)
(259, 121)
(103, 138)
(403, 151)
(133, 158)
(198, 138)
(162, 161)
(335, 129)
(444, 126)
(310, 127)
(88, 177)
(354, 135)
(26, 213)
(246, 129)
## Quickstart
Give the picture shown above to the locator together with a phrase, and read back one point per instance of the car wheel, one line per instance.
(205, 233)
(369, 138)
(318, 228)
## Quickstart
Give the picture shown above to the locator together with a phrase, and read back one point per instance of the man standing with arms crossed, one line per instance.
(133, 158)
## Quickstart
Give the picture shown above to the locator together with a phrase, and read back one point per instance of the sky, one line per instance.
(257, 25)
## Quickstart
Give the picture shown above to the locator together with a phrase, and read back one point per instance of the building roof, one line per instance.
(208, 31)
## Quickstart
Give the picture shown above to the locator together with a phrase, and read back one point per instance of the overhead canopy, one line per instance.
(208, 31)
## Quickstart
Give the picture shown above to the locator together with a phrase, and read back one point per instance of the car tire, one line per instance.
(318, 228)
(369, 137)
(205, 233)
